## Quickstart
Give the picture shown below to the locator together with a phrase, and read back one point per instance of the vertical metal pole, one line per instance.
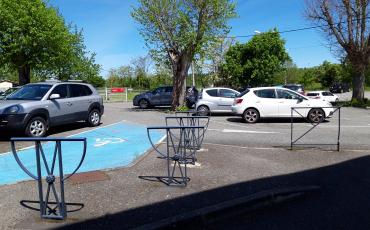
(168, 157)
(63, 211)
(338, 144)
(106, 94)
(126, 93)
(291, 129)
(39, 179)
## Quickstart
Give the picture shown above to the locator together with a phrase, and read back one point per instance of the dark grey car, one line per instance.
(161, 96)
(36, 107)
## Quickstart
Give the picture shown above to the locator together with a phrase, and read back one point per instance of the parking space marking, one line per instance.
(112, 146)
(241, 131)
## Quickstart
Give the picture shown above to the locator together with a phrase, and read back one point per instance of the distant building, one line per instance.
(4, 85)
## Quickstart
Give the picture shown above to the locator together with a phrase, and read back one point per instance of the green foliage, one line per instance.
(34, 36)
(360, 103)
(255, 62)
(182, 108)
(329, 73)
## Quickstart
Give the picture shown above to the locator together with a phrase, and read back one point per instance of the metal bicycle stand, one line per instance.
(177, 152)
(198, 134)
(58, 212)
(293, 142)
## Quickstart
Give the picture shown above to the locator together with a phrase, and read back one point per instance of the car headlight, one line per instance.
(12, 109)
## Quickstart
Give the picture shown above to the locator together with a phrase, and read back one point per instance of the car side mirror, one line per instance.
(54, 96)
(300, 99)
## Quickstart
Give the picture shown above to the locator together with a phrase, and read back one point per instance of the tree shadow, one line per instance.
(330, 197)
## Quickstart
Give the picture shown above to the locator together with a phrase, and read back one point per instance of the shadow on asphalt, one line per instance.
(342, 202)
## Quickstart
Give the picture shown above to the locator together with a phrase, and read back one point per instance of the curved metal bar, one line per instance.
(19, 162)
(82, 159)
(153, 145)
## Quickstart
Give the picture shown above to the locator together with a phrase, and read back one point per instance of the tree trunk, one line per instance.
(358, 84)
(24, 74)
(180, 71)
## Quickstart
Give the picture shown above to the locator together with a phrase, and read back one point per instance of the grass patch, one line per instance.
(355, 103)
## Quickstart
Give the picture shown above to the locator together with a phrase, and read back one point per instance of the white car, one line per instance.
(215, 100)
(274, 102)
(323, 95)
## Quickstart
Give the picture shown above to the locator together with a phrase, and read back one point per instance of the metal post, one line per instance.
(291, 129)
(126, 93)
(338, 144)
(39, 178)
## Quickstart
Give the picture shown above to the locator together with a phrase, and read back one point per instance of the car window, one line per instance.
(61, 90)
(327, 94)
(312, 94)
(79, 90)
(212, 92)
(227, 93)
(30, 92)
(168, 89)
(265, 93)
(288, 94)
(159, 90)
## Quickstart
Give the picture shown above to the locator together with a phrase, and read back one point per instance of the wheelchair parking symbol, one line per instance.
(99, 142)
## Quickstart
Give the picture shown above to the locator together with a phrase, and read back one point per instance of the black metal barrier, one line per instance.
(181, 145)
(298, 111)
(59, 211)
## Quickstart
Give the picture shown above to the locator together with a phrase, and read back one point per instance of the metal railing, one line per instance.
(59, 211)
(295, 110)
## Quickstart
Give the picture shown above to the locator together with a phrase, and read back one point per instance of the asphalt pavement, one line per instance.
(238, 163)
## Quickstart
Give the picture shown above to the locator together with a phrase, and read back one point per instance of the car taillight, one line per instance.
(238, 100)
(317, 97)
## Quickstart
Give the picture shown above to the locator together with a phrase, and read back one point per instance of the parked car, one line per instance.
(277, 102)
(215, 100)
(295, 87)
(323, 95)
(339, 87)
(36, 107)
(7, 92)
(162, 96)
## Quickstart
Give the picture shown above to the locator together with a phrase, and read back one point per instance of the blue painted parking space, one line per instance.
(112, 146)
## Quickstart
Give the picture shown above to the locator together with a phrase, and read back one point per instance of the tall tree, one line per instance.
(255, 62)
(345, 22)
(179, 29)
(34, 36)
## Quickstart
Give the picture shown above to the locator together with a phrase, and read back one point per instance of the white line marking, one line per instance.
(241, 131)
(100, 127)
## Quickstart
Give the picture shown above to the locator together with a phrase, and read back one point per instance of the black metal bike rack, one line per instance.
(179, 147)
(58, 212)
(293, 142)
(198, 134)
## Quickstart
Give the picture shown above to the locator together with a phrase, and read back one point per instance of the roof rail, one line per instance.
(81, 81)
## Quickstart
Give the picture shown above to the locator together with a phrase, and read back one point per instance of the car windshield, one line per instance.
(30, 92)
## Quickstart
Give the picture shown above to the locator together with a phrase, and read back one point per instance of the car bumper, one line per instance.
(13, 121)
(237, 110)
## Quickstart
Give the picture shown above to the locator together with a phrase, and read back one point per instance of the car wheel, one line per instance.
(203, 110)
(94, 118)
(144, 104)
(251, 115)
(36, 127)
(316, 115)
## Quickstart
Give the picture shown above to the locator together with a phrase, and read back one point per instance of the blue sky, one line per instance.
(112, 34)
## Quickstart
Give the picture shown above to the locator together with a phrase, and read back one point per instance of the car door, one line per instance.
(155, 99)
(80, 101)
(166, 98)
(288, 99)
(266, 102)
(226, 99)
(60, 110)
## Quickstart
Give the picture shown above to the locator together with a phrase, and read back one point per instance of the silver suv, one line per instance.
(35, 107)
(215, 100)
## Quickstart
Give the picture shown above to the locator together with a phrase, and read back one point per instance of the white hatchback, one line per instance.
(323, 95)
(275, 102)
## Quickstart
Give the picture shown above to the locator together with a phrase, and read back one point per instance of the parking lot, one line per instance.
(231, 130)
(237, 159)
